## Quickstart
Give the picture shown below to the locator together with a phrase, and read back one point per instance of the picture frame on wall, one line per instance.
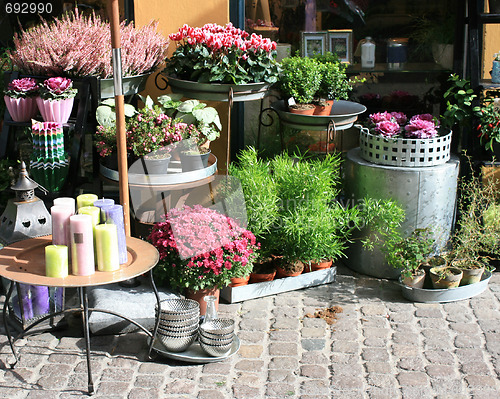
(313, 43)
(340, 43)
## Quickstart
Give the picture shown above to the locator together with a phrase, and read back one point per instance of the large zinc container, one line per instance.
(427, 194)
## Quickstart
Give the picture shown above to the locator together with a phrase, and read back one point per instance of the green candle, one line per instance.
(85, 200)
(56, 261)
(95, 213)
(107, 247)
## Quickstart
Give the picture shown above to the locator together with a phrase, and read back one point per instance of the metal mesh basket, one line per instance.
(404, 152)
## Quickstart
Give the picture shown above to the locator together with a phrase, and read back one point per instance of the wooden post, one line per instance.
(114, 19)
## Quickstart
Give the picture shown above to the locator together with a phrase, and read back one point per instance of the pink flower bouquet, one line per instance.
(396, 124)
(20, 99)
(222, 54)
(201, 248)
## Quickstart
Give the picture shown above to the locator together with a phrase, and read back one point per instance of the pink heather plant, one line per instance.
(78, 45)
(222, 54)
(22, 88)
(201, 248)
(393, 124)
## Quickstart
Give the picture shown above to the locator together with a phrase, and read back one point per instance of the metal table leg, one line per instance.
(157, 316)
(6, 323)
(85, 314)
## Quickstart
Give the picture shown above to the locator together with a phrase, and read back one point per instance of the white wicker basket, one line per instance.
(404, 152)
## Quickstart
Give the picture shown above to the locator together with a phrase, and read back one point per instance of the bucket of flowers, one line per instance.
(56, 99)
(212, 59)
(201, 250)
(20, 99)
(393, 138)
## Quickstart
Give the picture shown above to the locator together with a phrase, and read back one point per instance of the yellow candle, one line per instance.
(93, 211)
(85, 200)
(56, 261)
(107, 247)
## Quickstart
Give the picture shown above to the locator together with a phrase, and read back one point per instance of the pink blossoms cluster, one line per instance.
(201, 248)
(22, 88)
(393, 124)
(222, 54)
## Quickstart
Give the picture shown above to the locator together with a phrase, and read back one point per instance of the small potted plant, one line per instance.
(299, 81)
(445, 277)
(56, 99)
(488, 114)
(201, 250)
(20, 99)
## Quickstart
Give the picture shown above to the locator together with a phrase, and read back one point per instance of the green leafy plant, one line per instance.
(106, 114)
(459, 99)
(488, 114)
(300, 78)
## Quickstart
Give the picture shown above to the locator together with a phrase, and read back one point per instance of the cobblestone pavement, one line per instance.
(381, 346)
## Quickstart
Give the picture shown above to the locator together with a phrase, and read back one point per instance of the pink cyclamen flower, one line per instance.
(387, 128)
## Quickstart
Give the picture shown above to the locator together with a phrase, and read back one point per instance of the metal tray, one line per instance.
(343, 113)
(446, 295)
(194, 354)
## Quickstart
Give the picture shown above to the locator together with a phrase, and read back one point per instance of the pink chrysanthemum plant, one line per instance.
(201, 248)
(222, 54)
(22, 88)
(57, 88)
(397, 125)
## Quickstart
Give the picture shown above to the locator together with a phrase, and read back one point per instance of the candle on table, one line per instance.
(107, 248)
(95, 214)
(66, 201)
(101, 202)
(114, 215)
(85, 200)
(56, 261)
(60, 224)
(82, 245)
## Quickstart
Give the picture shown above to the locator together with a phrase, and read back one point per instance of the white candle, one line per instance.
(66, 201)
(60, 224)
(82, 245)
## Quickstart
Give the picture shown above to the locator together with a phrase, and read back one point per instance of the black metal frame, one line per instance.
(84, 309)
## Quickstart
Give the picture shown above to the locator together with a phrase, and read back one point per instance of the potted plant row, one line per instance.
(311, 84)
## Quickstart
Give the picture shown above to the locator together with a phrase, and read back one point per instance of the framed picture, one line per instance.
(313, 43)
(340, 42)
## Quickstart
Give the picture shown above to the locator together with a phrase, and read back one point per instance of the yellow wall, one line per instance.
(172, 14)
(491, 45)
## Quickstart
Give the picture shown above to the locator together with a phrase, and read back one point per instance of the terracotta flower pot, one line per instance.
(323, 110)
(260, 277)
(450, 280)
(281, 273)
(200, 294)
(302, 109)
(239, 281)
(471, 276)
(21, 109)
(313, 266)
(55, 111)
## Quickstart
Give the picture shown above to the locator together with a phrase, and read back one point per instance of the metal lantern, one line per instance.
(26, 215)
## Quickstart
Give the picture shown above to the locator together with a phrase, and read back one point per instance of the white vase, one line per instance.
(55, 111)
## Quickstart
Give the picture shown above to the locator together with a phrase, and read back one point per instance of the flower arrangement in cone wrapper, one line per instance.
(201, 248)
(398, 125)
(22, 88)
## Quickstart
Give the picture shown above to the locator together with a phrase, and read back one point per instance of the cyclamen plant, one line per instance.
(222, 54)
(201, 248)
(396, 124)
(58, 88)
(22, 88)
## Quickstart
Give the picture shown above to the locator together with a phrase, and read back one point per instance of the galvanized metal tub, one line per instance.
(427, 194)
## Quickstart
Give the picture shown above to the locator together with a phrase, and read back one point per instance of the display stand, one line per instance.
(342, 117)
(24, 262)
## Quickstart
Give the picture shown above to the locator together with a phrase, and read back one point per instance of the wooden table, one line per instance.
(24, 262)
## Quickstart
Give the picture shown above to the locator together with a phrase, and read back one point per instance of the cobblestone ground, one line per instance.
(381, 346)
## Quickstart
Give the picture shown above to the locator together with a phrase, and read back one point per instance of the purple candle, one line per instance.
(114, 214)
(82, 245)
(104, 203)
(40, 300)
(60, 224)
(24, 295)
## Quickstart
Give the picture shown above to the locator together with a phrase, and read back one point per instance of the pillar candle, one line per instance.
(114, 215)
(95, 213)
(40, 300)
(107, 248)
(82, 245)
(60, 224)
(101, 202)
(85, 200)
(66, 201)
(56, 261)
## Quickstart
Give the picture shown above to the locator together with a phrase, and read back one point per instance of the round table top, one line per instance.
(24, 262)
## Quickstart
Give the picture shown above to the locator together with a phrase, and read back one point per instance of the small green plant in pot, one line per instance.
(445, 277)
(300, 79)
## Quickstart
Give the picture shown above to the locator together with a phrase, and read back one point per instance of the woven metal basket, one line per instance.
(404, 152)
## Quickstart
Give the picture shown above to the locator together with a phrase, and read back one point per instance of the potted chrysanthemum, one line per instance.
(201, 250)
(56, 99)
(20, 99)
(221, 55)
